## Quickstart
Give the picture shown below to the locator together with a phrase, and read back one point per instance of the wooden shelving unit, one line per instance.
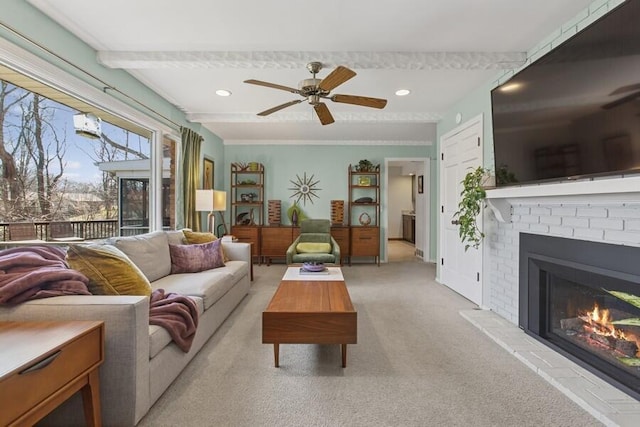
(247, 203)
(364, 214)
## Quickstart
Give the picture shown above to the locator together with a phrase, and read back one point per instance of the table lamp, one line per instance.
(212, 201)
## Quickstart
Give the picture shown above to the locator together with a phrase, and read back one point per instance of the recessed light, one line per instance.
(223, 92)
(403, 92)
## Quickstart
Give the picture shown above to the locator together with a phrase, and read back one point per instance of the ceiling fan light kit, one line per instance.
(314, 89)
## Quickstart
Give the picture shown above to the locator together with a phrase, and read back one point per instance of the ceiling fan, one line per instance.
(314, 89)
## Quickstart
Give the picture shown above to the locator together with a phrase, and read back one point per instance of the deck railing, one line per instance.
(88, 230)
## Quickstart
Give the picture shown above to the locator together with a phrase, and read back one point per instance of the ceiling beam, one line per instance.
(284, 117)
(298, 59)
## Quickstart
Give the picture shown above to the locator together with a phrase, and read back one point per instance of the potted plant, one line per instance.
(365, 166)
(473, 193)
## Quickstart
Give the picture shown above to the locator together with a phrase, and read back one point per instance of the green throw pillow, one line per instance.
(109, 270)
(313, 248)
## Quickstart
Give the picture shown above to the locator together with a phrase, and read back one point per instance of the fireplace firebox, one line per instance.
(583, 299)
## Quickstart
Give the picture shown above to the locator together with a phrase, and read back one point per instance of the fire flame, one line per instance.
(599, 322)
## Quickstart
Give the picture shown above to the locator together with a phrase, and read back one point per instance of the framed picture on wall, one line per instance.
(207, 175)
(420, 184)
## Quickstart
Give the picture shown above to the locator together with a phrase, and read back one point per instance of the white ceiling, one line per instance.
(439, 49)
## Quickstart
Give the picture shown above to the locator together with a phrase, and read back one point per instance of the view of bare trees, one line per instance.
(35, 148)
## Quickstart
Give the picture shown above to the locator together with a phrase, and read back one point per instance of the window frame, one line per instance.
(26, 63)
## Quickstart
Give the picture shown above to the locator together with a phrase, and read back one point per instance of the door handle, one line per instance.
(455, 222)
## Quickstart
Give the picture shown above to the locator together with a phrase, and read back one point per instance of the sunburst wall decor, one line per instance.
(304, 188)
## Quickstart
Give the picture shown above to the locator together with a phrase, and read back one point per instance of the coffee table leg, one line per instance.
(344, 355)
(276, 354)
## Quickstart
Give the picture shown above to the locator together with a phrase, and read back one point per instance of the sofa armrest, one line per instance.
(237, 251)
(291, 250)
(336, 251)
(124, 375)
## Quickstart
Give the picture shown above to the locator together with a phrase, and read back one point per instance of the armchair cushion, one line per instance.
(315, 237)
(313, 248)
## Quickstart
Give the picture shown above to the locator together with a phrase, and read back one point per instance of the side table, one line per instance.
(42, 364)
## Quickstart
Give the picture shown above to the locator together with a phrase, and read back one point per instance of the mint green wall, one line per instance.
(327, 163)
(479, 101)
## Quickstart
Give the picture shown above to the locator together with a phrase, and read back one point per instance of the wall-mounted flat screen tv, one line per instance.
(575, 112)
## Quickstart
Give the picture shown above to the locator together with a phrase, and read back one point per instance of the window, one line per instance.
(50, 172)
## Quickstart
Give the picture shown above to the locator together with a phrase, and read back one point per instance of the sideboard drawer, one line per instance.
(248, 234)
(365, 241)
(37, 380)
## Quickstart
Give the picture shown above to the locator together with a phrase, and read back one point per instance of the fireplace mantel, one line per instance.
(593, 191)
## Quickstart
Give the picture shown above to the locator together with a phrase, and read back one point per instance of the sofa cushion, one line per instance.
(150, 252)
(109, 270)
(175, 237)
(159, 337)
(313, 248)
(195, 237)
(195, 258)
(210, 285)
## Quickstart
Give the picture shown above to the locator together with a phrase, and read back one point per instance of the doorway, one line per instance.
(406, 209)
(460, 269)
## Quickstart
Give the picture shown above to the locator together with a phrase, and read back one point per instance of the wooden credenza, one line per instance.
(248, 234)
(365, 242)
(276, 240)
(341, 235)
(42, 364)
(271, 242)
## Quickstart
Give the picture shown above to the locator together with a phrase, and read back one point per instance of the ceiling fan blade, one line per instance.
(360, 100)
(279, 107)
(323, 113)
(272, 85)
(336, 78)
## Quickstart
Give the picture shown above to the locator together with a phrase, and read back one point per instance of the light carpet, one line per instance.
(417, 363)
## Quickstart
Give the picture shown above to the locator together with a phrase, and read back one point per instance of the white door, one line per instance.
(461, 151)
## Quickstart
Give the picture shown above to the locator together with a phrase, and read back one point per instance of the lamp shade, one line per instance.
(211, 200)
(219, 200)
(204, 200)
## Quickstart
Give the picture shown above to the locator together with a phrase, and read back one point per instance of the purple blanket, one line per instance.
(31, 272)
(176, 313)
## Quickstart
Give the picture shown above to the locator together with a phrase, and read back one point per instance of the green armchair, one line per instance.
(314, 244)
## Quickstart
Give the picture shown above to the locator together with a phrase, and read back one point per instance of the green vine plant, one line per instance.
(473, 195)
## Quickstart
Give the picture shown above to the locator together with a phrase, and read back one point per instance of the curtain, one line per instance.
(191, 142)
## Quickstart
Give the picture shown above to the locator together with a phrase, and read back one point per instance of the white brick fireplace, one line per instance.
(605, 210)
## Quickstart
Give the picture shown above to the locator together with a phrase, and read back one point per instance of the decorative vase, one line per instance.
(364, 219)
(294, 218)
(337, 212)
(274, 210)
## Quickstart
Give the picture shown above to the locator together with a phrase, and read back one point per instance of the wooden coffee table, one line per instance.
(310, 310)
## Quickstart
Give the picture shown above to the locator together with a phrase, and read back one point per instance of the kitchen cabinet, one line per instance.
(409, 228)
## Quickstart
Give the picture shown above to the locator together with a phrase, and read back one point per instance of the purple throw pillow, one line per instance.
(195, 258)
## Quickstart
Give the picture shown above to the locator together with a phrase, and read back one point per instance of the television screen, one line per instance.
(575, 112)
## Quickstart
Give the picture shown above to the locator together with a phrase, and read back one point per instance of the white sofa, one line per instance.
(141, 360)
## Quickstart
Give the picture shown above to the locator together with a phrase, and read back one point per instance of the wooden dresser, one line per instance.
(42, 364)
(275, 240)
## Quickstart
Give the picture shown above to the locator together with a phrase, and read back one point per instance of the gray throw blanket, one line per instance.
(176, 313)
(31, 272)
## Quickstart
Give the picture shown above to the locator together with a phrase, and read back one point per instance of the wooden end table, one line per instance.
(310, 310)
(42, 364)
